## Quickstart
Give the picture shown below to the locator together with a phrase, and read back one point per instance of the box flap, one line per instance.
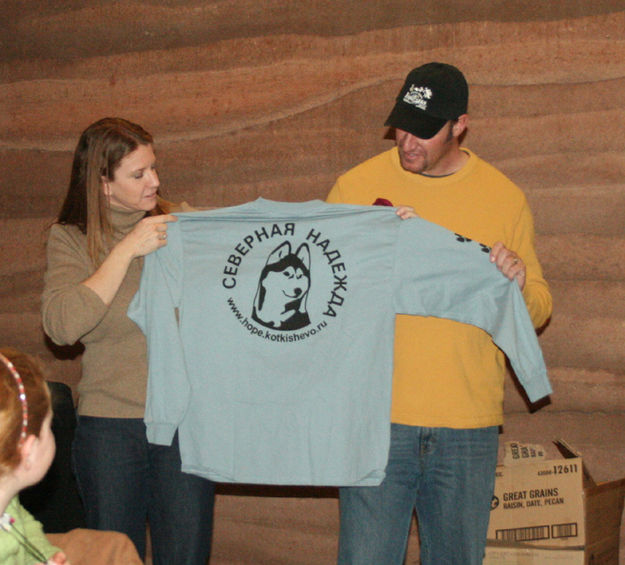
(568, 452)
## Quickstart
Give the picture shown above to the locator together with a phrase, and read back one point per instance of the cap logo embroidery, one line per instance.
(418, 96)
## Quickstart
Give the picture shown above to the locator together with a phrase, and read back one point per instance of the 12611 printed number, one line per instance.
(565, 469)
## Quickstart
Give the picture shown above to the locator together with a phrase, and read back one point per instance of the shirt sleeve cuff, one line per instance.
(161, 434)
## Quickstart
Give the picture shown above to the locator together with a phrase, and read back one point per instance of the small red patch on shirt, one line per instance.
(382, 202)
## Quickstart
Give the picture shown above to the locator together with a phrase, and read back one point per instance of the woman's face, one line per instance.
(136, 181)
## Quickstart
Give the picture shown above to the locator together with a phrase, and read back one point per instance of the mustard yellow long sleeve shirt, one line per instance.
(448, 374)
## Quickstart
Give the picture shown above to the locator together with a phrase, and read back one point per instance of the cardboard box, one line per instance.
(551, 511)
(510, 555)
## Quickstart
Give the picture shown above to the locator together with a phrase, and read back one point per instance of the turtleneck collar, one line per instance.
(124, 220)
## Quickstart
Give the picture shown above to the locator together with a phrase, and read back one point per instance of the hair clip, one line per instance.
(21, 394)
(7, 523)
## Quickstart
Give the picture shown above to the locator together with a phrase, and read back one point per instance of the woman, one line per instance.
(112, 216)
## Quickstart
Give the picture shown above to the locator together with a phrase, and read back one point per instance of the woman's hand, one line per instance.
(147, 236)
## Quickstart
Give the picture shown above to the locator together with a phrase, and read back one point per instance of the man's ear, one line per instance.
(460, 125)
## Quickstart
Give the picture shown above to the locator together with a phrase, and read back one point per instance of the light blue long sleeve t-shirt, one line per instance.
(270, 334)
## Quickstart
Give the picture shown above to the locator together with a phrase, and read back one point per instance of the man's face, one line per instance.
(426, 156)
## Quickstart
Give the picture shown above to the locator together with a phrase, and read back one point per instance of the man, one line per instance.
(448, 377)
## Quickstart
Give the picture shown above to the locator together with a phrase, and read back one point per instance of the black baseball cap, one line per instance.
(432, 95)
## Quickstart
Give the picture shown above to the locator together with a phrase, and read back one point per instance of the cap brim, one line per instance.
(414, 121)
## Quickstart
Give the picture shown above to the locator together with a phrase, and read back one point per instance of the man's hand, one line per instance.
(405, 212)
(509, 263)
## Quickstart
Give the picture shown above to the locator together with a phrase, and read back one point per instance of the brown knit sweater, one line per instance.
(114, 363)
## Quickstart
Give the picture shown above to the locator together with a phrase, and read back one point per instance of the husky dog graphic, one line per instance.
(280, 301)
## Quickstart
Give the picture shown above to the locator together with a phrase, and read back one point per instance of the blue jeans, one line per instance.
(124, 482)
(447, 476)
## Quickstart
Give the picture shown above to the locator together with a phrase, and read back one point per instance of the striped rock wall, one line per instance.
(276, 99)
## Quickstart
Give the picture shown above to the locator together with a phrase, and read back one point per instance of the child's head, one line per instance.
(21, 414)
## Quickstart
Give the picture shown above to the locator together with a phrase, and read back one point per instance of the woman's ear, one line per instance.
(105, 186)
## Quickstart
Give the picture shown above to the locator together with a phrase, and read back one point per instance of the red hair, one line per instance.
(11, 415)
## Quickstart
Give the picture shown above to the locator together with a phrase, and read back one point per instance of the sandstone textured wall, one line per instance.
(275, 99)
